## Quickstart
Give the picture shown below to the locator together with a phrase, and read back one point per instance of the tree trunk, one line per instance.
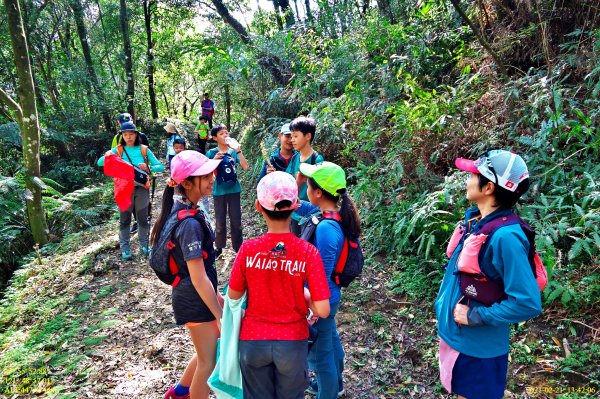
(106, 52)
(87, 56)
(227, 107)
(130, 97)
(149, 7)
(28, 121)
(287, 12)
(308, 12)
(278, 15)
(480, 38)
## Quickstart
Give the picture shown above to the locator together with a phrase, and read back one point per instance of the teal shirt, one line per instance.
(505, 257)
(227, 187)
(294, 167)
(135, 153)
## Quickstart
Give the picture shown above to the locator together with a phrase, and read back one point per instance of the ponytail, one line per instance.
(350, 219)
(165, 211)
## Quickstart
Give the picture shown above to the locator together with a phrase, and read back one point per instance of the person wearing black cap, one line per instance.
(139, 155)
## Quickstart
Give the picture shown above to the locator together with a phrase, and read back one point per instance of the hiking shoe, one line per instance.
(133, 228)
(313, 388)
(144, 251)
(126, 255)
(171, 394)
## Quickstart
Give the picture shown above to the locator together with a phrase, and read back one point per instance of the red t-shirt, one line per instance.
(274, 269)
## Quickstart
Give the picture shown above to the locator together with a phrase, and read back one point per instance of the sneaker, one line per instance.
(133, 228)
(171, 394)
(126, 255)
(144, 251)
(313, 388)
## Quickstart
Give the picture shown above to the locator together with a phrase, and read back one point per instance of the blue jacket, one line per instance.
(278, 162)
(503, 257)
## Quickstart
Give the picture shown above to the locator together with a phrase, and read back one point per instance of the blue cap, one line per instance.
(128, 126)
(124, 118)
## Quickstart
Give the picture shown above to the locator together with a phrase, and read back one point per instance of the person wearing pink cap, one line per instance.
(196, 302)
(274, 269)
(475, 333)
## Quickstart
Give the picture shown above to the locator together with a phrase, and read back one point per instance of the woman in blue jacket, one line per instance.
(326, 190)
(474, 338)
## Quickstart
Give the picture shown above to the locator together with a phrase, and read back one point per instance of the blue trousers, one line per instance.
(326, 357)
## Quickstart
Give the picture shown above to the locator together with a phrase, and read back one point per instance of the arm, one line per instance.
(155, 165)
(329, 240)
(204, 287)
(242, 159)
(237, 280)
(263, 172)
(319, 308)
(100, 161)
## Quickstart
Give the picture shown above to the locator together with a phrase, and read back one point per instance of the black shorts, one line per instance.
(187, 304)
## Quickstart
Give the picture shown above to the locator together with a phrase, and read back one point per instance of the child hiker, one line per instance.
(202, 130)
(474, 337)
(338, 217)
(196, 302)
(303, 134)
(280, 159)
(274, 270)
(172, 134)
(226, 190)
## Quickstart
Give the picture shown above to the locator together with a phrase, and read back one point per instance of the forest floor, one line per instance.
(107, 331)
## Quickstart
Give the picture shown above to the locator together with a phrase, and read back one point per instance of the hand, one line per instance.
(270, 169)
(221, 299)
(460, 314)
(219, 155)
(143, 166)
(300, 178)
(108, 153)
(313, 319)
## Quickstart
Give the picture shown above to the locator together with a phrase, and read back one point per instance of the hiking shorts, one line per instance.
(188, 306)
(479, 378)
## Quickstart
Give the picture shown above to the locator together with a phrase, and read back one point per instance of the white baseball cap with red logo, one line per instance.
(501, 167)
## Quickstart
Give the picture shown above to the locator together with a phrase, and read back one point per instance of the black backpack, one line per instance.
(169, 272)
(225, 172)
(351, 260)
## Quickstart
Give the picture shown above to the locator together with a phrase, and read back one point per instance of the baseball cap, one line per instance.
(285, 129)
(276, 187)
(191, 163)
(125, 117)
(329, 176)
(127, 126)
(502, 167)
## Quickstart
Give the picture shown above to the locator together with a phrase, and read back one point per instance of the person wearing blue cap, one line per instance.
(139, 155)
(474, 331)
(279, 159)
(122, 118)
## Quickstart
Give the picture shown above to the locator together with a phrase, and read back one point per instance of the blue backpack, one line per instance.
(225, 172)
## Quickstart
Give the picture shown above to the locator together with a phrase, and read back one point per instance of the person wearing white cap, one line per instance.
(274, 270)
(474, 320)
(280, 159)
(172, 135)
(189, 242)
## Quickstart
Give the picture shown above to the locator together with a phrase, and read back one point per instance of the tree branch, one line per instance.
(7, 100)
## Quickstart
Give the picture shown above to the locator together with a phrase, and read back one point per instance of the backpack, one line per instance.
(225, 172)
(140, 177)
(167, 248)
(474, 284)
(351, 260)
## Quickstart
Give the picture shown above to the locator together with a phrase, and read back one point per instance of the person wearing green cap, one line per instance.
(337, 216)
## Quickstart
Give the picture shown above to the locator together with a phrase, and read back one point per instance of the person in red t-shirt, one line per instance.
(274, 269)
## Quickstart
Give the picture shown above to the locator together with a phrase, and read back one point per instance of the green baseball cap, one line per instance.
(329, 176)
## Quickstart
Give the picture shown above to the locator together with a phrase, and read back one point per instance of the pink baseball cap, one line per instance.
(275, 187)
(191, 163)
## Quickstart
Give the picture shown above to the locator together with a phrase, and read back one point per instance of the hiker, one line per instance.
(226, 190)
(280, 159)
(132, 151)
(203, 132)
(274, 270)
(303, 134)
(474, 338)
(196, 302)
(122, 118)
(338, 217)
(172, 134)
(208, 109)
(179, 145)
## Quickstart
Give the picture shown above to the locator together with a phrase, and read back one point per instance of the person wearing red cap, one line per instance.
(274, 269)
(474, 337)
(196, 302)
